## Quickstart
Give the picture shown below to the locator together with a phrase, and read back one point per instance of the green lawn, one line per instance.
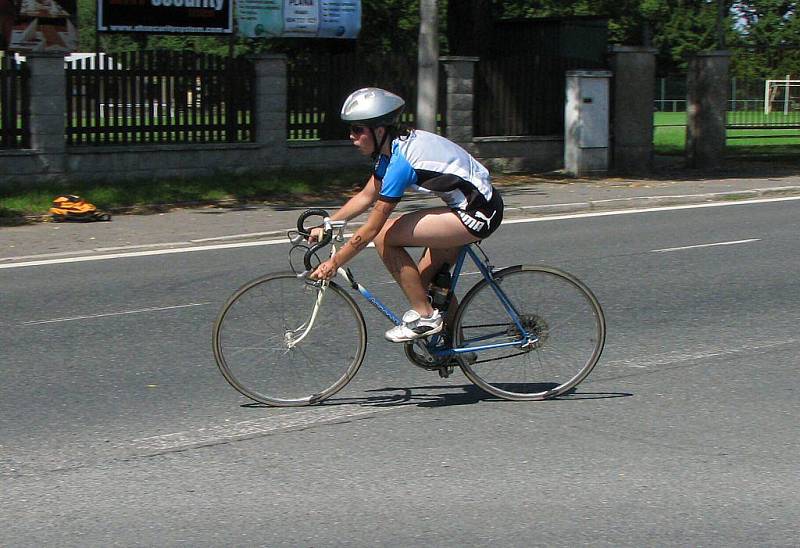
(295, 187)
(669, 136)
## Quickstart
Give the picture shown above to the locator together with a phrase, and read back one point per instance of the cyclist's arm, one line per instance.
(361, 239)
(359, 203)
(366, 232)
(354, 207)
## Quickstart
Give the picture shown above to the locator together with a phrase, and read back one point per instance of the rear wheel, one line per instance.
(561, 313)
(272, 347)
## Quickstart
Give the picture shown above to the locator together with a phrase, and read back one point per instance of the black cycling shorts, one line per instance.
(485, 219)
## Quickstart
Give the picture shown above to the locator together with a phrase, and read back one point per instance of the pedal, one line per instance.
(423, 350)
(445, 371)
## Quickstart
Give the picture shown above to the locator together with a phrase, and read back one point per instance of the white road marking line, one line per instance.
(125, 312)
(541, 219)
(671, 358)
(294, 420)
(632, 211)
(146, 253)
(735, 242)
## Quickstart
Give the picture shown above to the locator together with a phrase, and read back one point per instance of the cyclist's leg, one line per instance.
(432, 261)
(437, 229)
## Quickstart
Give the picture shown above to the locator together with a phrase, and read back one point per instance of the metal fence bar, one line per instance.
(319, 82)
(159, 97)
(523, 94)
(14, 103)
(746, 105)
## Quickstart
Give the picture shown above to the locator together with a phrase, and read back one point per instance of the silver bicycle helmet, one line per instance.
(372, 107)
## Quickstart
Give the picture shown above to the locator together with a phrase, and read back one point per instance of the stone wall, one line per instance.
(49, 157)
(634, 71)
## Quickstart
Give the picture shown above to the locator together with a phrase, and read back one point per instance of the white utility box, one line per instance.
(586, 122)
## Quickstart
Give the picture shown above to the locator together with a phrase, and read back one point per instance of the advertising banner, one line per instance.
(39, 25)
(339, 18)
(165, 16)
(301, 18)
(259, 18)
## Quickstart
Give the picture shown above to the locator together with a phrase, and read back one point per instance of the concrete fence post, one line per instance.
(634, 99)
(460, 73)
(48, 103)
(706, 107)
(270, 107)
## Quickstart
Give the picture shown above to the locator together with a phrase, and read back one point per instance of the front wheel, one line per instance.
(561, 314)
(285, 341)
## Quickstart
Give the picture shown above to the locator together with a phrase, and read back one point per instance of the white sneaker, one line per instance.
(415, 326)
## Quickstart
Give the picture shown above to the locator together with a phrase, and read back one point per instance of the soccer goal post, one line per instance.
(772, 89)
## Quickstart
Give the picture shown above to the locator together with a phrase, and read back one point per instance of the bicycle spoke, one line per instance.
(268, 350)
(560, 315)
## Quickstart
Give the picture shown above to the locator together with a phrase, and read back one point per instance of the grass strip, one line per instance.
(669, 136)
(284, 187)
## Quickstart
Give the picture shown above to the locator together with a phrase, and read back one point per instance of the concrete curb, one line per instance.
(619, 204)
(637, 202)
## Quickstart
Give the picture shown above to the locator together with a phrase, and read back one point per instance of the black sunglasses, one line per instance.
(358, 130)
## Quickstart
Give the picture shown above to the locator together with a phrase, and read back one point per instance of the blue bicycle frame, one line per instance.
(435, 346)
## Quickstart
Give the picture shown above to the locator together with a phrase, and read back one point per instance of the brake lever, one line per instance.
(305, 276)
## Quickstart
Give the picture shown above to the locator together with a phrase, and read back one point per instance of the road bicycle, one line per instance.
(520, 333)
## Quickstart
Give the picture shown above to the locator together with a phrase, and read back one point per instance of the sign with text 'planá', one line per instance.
(165, 16)
(300, 18)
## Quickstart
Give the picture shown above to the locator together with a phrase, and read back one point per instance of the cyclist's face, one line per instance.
(361, 137)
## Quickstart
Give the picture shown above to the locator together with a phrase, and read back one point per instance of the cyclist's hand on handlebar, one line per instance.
(324, 271)
(316, 235)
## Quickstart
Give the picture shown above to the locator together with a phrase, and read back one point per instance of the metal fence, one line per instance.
(159, 97)
(319, 82)
(746, 104)
(521, 76)
(523, 94)
(758, 119)
(14, 128)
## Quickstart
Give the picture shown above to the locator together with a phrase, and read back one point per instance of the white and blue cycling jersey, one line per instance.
(426, 162)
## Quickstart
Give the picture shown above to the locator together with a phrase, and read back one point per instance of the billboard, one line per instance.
(300, 18)
(165, 16)
(39, 25)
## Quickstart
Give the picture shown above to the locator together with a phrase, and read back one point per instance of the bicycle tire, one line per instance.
(555, 305)
(258, 346)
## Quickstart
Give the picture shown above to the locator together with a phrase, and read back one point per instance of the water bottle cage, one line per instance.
(439, 297)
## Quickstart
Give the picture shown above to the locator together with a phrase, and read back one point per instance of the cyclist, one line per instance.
(421, 161)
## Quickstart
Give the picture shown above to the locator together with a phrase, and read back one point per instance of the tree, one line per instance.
(761, 33)
(682, 28)
(767, 40)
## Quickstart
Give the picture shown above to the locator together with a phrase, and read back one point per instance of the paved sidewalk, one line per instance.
(525, 196)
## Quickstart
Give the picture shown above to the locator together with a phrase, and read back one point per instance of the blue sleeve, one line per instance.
(397, 176)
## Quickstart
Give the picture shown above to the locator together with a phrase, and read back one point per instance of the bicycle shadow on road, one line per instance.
(427, 396)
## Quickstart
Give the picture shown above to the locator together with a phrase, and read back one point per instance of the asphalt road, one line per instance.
(117, 429)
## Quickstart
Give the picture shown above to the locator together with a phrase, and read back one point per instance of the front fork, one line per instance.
(289, 337)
